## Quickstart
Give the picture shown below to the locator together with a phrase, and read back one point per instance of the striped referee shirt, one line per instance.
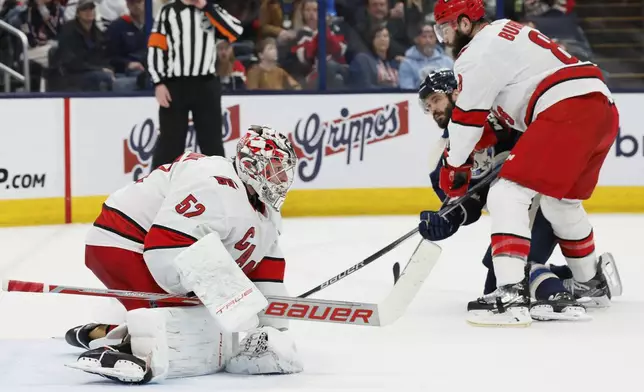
(182, 42)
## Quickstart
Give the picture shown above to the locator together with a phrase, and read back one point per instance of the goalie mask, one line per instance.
(266, 162)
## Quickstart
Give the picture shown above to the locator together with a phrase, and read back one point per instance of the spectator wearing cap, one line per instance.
(106, 11)
(422, 58)
(127, 44)
(82, 51)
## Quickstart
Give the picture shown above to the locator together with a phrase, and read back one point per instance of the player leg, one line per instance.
(576, 239)
(118, 269)
(583, 129)
(162, 343)
(508, 204)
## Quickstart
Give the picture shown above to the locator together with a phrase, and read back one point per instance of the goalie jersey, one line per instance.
(177, 204)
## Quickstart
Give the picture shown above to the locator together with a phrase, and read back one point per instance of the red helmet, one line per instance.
(449, 10)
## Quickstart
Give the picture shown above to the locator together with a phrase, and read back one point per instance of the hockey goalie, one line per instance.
(202, 226)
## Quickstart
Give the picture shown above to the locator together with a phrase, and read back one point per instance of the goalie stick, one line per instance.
(342, 312)
(448, 206)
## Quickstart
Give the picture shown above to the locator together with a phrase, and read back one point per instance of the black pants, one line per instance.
(202, 97)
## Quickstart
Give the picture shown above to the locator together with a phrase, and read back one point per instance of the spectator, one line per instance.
(275, 20)
(106, 11)
(82, 51)
(376, 14)
(127, 46)
(231, 72)
(375, 69)
(305, 50)
(41, 21)
(267, 75)
(422, 58)
(418, 11)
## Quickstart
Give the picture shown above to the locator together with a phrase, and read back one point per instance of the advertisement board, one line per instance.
(358, 141)
(624, 165)
(32, 158)
(359, 153)
(32, 161)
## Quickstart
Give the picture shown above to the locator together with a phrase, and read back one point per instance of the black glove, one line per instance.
(433, 227)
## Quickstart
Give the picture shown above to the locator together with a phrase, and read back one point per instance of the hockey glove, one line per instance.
(434, 227)
(455, 181)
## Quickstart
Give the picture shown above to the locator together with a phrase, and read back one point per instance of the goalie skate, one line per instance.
(115, 363)
(561, 306)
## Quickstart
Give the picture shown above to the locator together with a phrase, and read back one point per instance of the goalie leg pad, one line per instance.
(266, 350)
(178, 341)
(207, 269)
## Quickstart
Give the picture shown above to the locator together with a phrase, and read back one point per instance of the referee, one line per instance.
(181, 63)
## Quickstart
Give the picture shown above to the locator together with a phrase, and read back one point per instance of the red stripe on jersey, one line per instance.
(161, 237)
(510, 245)
(471, 118)
(563, 75)
(577, 248)
(117, 222)
(268, 270)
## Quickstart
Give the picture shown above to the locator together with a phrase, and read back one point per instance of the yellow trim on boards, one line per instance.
(23, 212)
(319, 202)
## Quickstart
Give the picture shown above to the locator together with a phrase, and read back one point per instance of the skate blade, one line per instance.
(512, 317)
(123, 374)
(609, 269)
(595, 302)
(546, 313)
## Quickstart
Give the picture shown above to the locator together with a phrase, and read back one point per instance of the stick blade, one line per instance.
(410, 281)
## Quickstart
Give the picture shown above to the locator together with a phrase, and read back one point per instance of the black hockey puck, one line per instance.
(396, 271)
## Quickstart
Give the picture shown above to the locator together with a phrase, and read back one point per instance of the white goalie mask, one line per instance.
(266, 161)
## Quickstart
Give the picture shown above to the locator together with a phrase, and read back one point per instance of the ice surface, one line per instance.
(430, 348)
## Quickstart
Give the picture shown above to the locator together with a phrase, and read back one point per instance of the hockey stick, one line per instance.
(448, 206)
(342, 312)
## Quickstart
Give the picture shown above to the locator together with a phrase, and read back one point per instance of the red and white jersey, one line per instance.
(516, 72)
(177, 204)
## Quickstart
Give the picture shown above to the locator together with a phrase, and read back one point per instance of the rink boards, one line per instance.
(359, 153)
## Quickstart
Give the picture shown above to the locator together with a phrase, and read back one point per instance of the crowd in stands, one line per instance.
(100, 45)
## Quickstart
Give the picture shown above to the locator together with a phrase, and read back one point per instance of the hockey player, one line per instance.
(203, 226)
(437, 94)
(569, 122)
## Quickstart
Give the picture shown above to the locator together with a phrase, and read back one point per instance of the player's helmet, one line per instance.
(438, 81)
(266, 161)
(447, 12)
